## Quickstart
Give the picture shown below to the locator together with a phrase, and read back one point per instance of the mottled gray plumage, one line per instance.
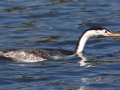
(27, 55)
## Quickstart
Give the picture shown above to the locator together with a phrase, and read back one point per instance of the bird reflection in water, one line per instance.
(83, 60)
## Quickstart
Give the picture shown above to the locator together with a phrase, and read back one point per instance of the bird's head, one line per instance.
(97, 31)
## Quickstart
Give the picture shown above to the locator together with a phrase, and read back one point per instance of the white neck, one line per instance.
(82, 41)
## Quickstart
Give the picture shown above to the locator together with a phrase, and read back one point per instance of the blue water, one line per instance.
(57, 25)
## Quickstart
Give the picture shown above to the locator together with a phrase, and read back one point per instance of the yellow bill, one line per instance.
(113, 35)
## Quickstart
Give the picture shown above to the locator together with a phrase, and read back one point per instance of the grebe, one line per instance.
(36, 55)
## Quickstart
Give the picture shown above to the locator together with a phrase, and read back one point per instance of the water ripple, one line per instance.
(56, 25)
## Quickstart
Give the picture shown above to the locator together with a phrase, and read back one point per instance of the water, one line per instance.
(56, 25)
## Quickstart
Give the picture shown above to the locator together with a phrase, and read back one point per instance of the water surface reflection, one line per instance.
(56, 25)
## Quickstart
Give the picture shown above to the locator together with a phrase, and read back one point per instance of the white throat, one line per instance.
(82, 41)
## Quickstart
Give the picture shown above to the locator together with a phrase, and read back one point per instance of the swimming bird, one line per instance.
(36, 55)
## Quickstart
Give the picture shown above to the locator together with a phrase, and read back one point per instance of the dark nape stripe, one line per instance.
(92, 28)
(96, 28)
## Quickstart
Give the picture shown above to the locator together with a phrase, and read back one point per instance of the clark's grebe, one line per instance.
(36, 55)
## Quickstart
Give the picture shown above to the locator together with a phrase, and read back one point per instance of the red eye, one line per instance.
(106, 31)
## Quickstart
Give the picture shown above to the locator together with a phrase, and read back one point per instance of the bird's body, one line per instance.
(29, 55)
(36, 55)
(26, 55)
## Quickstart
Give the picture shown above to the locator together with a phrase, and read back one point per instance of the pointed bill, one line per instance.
(113, 35)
